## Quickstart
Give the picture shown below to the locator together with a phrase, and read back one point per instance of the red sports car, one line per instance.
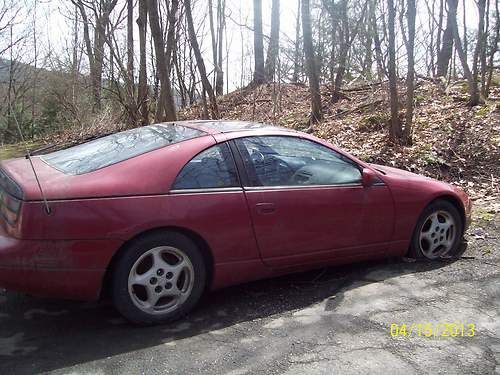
(159, 214)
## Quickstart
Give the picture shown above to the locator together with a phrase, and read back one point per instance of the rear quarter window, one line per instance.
(112, 149)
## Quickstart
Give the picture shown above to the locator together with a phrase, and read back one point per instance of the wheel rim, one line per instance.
(437, 234)
(161, 280)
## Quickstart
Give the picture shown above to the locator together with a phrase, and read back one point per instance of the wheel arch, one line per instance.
(456, 202)
(200, 242)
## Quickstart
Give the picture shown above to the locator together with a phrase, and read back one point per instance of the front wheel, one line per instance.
(438, 232)
(158, 278)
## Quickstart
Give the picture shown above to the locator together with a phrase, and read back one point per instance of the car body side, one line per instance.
(95, 215)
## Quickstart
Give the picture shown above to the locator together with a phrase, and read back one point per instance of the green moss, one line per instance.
(483, 111)
(373, 122)
(464, 88)
(419, 99)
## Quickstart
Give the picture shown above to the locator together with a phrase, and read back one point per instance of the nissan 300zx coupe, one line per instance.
(158, 215)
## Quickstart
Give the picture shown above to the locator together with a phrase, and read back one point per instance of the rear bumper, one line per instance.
(60, 269)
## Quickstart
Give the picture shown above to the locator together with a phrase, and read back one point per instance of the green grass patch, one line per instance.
(483, 215)
(17, 150)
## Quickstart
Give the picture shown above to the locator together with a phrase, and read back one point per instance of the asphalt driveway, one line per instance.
(335, 320)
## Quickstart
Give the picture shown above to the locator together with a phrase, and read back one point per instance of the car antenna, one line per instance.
(28, 155)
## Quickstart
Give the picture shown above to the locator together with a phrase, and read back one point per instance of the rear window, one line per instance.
(112, 149)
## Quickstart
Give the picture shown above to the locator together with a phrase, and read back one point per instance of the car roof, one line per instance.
(229, 126)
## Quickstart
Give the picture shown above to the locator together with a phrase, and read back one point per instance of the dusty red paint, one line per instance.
(67, 253)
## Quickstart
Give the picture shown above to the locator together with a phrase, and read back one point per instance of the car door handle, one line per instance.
(265, 208)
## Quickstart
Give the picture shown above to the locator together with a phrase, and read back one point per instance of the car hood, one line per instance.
(399, 173)
(415, 182)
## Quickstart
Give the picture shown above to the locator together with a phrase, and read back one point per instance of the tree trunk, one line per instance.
(483, 54)
(410, 77)
(132, 110)
(312, 72)
(199, 61)
(494, 49)
(464, 22)
(296, 54)
(166, 100)
(274, 44)
(75, 62)
(376, 41)
(481, 5)
(90, 54)
(393, 81)
(171, 42)
(344, 49)
(217, 39)
(219, 73)
(259, 75)
(142, 91)
(480, 43)
(447, 42)
(212, 33)
(473, 91)
(439, 30)
(368, 59)
(346, 40)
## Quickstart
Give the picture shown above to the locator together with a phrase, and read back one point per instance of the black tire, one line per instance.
(122, 300)
(415, 250)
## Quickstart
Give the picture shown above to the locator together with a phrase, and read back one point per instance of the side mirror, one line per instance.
(369, 177)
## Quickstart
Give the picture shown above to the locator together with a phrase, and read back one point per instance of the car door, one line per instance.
(308, 204)
(207, 198)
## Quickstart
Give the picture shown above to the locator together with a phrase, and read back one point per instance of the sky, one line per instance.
(54, 27)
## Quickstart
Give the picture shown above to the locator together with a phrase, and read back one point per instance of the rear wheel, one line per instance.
(438, 232)
(159, 278)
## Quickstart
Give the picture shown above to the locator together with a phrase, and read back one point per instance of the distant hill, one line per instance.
(21, 70)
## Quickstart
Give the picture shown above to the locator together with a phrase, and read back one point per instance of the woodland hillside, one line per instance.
(451, 141)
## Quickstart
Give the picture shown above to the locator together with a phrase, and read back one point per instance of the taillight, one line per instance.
(10, 199)
(9, 207)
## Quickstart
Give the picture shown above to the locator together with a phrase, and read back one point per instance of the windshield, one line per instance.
(105, 151)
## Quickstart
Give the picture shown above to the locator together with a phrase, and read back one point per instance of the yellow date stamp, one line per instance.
(433, 330)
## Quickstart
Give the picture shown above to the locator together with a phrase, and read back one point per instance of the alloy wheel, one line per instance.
(161, 280)
(437, 234)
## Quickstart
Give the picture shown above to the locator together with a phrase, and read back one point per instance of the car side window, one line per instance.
(210, 169)
(293, 161)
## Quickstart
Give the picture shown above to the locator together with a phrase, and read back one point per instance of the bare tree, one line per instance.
(472, 85)
(480, 43)
(446, 51)
(376, 41)
(347, 37)
(130, 62)
(274, 43)
(297, 53)
(312, 72)
(493, 50)
(207, 87)
(95, 50)
(396, 130)
(142, 90)
(259, 74)
(439, 31)
(217, 35)
(166, 101)
(411, 14)
(221, 25)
